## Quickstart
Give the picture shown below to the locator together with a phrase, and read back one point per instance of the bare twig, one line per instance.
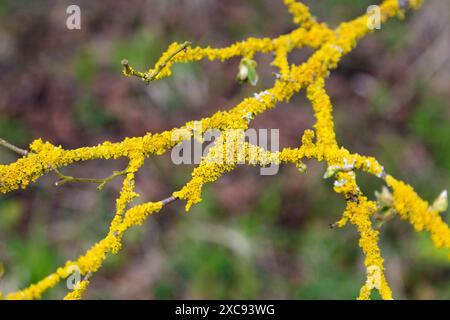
(382, 218)
(102, 182)
(169, 200)
(12, 147)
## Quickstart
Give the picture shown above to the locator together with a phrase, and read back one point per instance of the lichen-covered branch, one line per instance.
(320, 144)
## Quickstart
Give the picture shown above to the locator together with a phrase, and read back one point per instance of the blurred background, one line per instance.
(253, 236)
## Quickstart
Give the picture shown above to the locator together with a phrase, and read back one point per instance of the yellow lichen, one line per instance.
(77, 293)
(321, 144)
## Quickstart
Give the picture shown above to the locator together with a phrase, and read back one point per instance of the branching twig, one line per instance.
(332, 45)
(64, 178)
(150, 76)
(102, 182)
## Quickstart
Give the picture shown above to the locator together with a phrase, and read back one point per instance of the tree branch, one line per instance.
(12, 147)
(150, 76)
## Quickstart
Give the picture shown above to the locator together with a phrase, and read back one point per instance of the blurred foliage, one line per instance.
(430, 122)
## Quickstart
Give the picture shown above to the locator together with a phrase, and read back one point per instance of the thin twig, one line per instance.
(12, 147)
(381, 218)
(150, 76)
(169, 200)
(102, 182)
(64, 178)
